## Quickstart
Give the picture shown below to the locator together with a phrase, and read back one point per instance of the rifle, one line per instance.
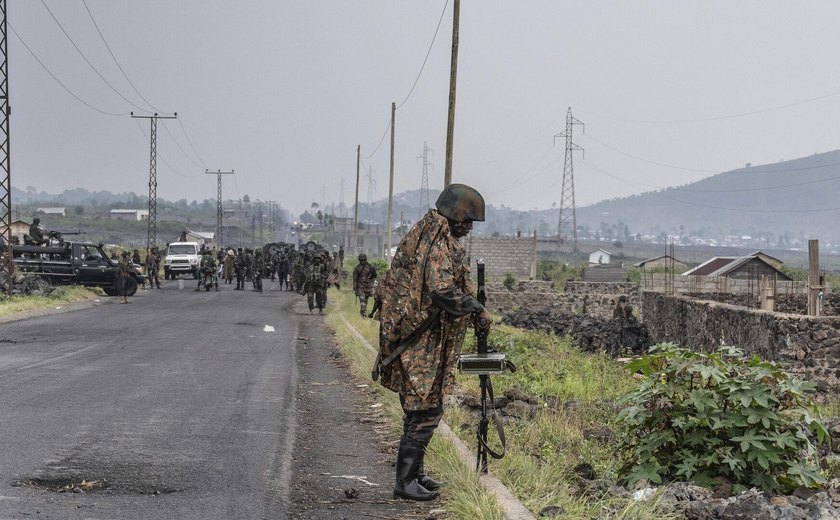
(484, 363)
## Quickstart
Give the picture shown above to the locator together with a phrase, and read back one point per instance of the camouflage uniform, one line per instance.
(229, 263)
(125, 266)
(258, 268)
(363, 277)
(240, 270)
(426, 307)
(153, 267)
(298, 274)
(379, 293)
(425, 371)
(316, 287)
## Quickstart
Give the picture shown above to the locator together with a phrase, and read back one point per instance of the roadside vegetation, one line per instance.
(579, 426)
(61, 295)
(464, 496)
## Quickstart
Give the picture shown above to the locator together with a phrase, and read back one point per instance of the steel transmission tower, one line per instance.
(425, 204)
(7, 267)
(151, 230)
(219, 212)
(567, 223)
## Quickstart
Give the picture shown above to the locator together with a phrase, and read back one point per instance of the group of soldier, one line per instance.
(307, 272)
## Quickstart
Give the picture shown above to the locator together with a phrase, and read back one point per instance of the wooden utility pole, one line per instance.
(356, 205)
(814, 286)
(453, 79)
(391, 181)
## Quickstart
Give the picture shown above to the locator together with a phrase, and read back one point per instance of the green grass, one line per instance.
(464, 496)
(576, 393)
(64, 294)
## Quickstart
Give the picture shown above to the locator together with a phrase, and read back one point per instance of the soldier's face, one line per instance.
(460, 229)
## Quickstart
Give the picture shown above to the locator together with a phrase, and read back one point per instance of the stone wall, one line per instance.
(502, 255)
(592, 299)
(809, 345)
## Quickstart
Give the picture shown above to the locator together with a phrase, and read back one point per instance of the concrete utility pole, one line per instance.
(7, 266)
(260, 218)
(453, 79)
(567, 222)
(355, 247)
(151, 229)
(391, 181)
(814, 285)
(219, 212)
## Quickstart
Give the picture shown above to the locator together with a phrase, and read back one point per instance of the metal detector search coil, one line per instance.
(491, 363)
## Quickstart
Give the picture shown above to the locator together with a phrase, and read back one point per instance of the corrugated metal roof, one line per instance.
(710, 266)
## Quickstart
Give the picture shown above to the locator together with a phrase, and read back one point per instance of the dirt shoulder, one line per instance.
(344, 453)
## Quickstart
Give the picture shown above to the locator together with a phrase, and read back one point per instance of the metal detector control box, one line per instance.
(492, 363)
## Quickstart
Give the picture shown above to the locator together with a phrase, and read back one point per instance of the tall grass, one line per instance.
(571, 424)
(64, 294)
(464, 496)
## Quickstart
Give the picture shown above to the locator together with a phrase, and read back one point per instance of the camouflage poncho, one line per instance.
(429, 278)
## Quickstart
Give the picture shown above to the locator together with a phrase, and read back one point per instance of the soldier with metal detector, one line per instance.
(427, 305)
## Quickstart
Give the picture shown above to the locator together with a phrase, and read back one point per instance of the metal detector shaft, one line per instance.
(481, 347)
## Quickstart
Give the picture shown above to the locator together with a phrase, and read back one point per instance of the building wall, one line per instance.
(502, 255)
(810, 346)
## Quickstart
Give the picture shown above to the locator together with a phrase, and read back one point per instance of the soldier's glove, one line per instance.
(483, 321)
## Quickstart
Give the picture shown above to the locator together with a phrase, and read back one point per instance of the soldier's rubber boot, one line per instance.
(425, 480)
(408, 465)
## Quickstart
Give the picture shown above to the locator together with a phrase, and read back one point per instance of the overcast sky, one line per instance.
(282, 92)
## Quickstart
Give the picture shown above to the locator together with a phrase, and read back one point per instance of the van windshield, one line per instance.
(182, 249)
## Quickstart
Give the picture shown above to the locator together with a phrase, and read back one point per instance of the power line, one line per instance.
(191, 143)
(381, 140)
(416, 80)
(92, 19)
(179, 146)
(427, 56)
(65, 87)
(716, 118)
(82, 54)
(649, 161)
(163, 159)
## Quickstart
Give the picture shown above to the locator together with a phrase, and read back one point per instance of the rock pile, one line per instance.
(615, 336)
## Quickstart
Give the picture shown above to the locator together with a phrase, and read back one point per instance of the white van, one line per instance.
(181, 258)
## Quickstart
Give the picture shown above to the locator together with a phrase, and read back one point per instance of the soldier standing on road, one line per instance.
(316, 285)
(426, 309)
(341, 255)
(240, 270)
(298, 274)
(229, 263)
(153, 267)
(125, 266)
(363, 277)
(258, 269)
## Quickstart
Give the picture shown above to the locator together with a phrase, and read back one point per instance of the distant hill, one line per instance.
(779, 198)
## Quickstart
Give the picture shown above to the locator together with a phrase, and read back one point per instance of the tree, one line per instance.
(246, 198)
(79, 210)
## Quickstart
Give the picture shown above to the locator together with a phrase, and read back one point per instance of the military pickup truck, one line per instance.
(73, 263)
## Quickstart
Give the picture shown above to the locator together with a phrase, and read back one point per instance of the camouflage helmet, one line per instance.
(461, 203)
(362, 257)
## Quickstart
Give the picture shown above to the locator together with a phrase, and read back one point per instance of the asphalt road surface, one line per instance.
(185, 405)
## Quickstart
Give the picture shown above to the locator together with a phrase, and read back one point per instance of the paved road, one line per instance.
(187, 408)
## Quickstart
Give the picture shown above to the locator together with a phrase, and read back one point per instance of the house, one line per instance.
(599, 256)
(205, 238)
(742, 267)
(664, 261)
(129, 214)
(19, 228)
(772, 260)
(53, 211)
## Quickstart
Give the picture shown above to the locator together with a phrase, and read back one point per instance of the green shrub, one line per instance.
(699, 416)
(509, 282)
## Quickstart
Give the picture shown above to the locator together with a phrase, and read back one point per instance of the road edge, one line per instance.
(513, 508)
(60, 309)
